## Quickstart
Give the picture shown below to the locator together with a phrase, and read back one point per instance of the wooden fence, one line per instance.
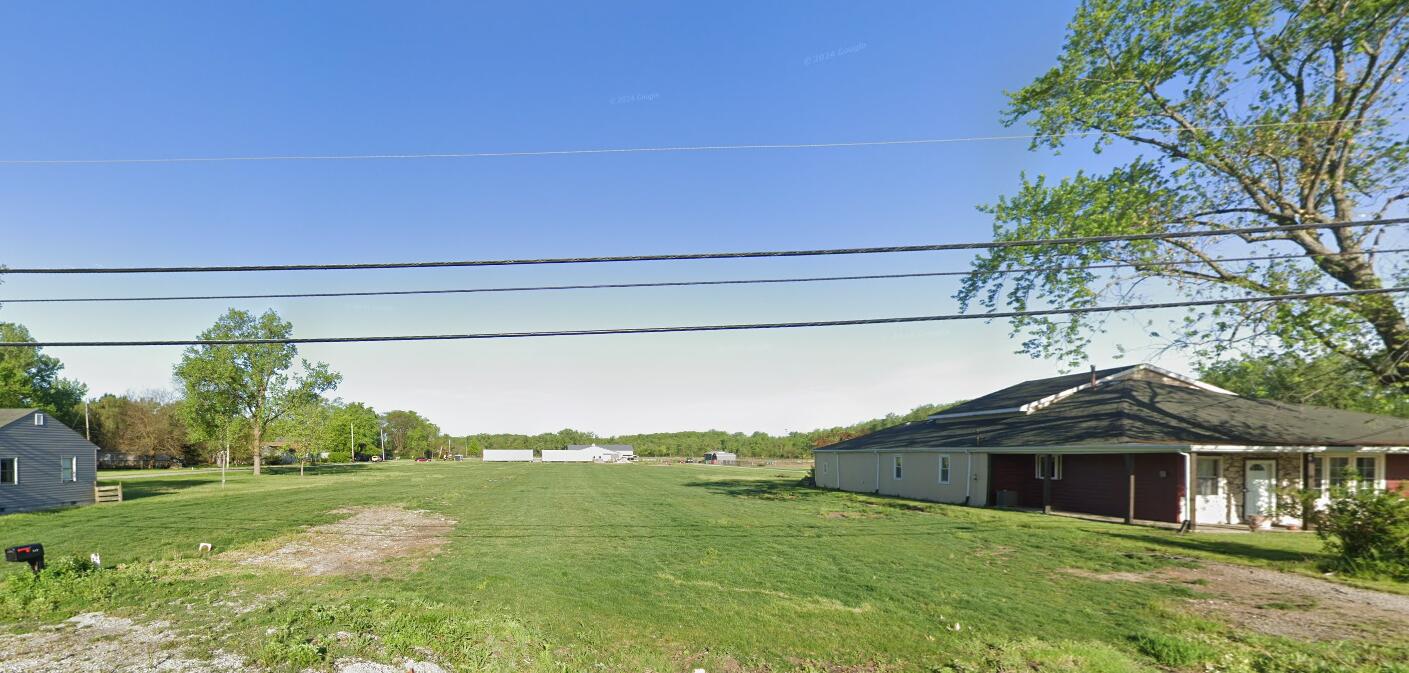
(107, 493)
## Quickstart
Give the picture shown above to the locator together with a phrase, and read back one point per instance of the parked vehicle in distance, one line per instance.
(423, 460)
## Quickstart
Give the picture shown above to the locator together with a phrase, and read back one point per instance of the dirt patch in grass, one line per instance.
(362, 543)
(96, 643)
(850, 515)
(1278, 603)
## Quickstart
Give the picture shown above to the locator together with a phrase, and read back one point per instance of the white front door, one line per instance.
(1211, 494)
(1261, 498)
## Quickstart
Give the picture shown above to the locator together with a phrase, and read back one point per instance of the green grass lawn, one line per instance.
(663, 568)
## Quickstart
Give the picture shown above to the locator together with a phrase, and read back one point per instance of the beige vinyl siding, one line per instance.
(920, 478)
(856, 471)
(826, 470)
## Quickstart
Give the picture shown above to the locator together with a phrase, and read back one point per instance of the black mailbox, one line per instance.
(33, 554)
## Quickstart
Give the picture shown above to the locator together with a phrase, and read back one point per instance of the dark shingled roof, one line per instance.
(1030, 391)
(1130, 411)
(8, 416)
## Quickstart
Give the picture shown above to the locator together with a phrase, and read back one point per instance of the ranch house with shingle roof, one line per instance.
(1136, 442)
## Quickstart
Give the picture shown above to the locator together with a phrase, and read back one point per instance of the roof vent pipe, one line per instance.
(1093, 376)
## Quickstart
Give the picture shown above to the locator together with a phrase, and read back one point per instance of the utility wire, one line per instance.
(684, 283)
(645, 150)
(714, 328)
(983, 245)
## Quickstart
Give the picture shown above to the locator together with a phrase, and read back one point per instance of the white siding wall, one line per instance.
(508, 455)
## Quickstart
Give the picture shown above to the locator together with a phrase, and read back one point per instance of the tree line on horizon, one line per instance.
(236, 398)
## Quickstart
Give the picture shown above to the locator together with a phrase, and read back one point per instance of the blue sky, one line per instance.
(102, 80)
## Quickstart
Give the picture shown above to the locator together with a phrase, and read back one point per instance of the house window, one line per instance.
(9, 470)
(1208, 476)
(68, 469)
(1365, 468)
(39, 419)
(1345, 472)
(1043, 461)
(897, 466)
(943, 469)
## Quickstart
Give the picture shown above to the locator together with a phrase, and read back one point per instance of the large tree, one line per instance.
(145, 424)
(253, 382)
(1240, 113)
(29, 378)
(409, 434)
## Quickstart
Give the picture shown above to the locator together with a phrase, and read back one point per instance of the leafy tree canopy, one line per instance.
(255, 383)
(29, 378)
(1328, 381)
(1241, 113)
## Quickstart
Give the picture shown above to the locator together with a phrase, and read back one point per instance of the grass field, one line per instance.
(661, 568)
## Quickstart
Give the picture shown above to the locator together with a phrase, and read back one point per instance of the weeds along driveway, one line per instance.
(635, 567)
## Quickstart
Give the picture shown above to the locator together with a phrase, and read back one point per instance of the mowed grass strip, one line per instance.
(636, 567)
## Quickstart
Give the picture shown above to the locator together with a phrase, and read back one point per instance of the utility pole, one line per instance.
(383, 446)
(351, 439)
(225, 462)
(87, 430)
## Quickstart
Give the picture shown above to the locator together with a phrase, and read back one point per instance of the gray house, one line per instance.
(43, 463)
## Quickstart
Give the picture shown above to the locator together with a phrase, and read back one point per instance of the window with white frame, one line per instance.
(1208, 476)
(896, 466)
(39, 419)
(1349, 472)
(9, 470)
(68, 469)
(943, 468)
(1044, 462)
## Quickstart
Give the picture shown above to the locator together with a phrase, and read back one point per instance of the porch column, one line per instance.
(1129, 488)
(1048, 465)
(1308, 509)
(1190, 486)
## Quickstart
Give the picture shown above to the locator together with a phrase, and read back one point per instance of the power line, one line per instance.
(983, 245)
(648, 150)
(714, 328)
(686, 283)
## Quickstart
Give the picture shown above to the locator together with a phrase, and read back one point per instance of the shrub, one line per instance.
(1173, 651)
(339, 457)
(67, 583)
(811, 478)
(1368, 533)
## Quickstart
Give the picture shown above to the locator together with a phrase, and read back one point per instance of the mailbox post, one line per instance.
(33, 554)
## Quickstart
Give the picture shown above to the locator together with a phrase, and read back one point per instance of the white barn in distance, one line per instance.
(508, 456)
(591, 453)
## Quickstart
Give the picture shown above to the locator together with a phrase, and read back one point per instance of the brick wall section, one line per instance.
(1397, 472)
(1095, 484)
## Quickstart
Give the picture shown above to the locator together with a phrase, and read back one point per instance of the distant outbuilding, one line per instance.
(43, 463)
(508, 456)
(591, 453)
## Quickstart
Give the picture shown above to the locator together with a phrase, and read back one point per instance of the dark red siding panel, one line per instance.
(1096, 483)
(1397, 473)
